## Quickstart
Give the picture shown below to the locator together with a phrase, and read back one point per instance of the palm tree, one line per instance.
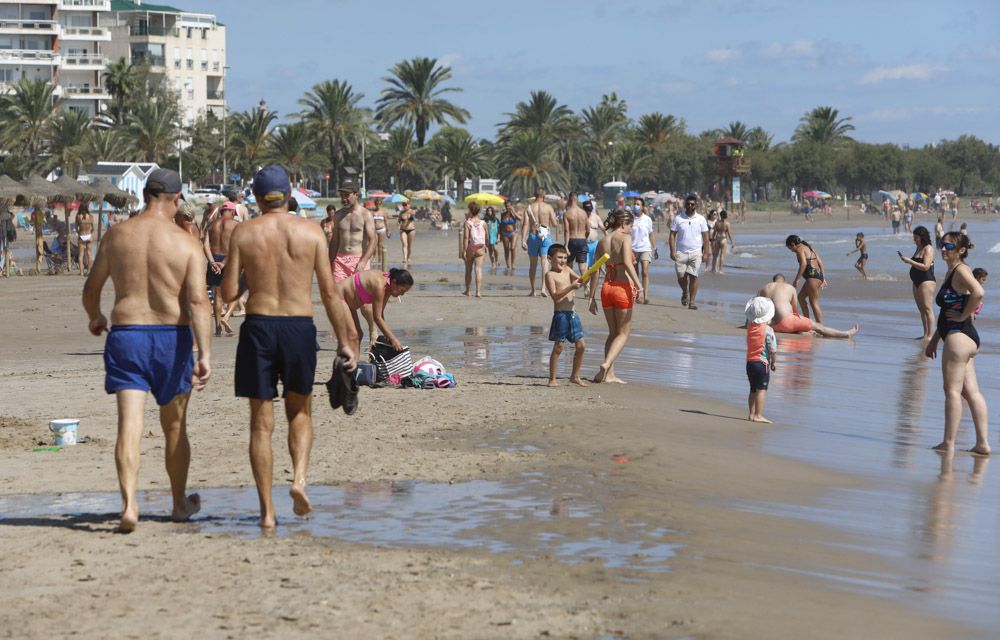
(528, 161)
(606, 124)
(401, 154)
(251, 136)
(106, 144)
(542, 114)
(155, 128)
(292, 148)
(25, 118)
(655, 129)
(121, 80)
(459, 156)
(759, 140)
(734, 129)
(823, 125)
(414, 97)
(68, 131)
(332, 113)
(633, 161)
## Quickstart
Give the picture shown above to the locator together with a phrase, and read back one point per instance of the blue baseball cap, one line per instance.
(271, 184)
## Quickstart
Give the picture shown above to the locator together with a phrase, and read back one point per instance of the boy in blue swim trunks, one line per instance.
(158, 271)
(562, 283)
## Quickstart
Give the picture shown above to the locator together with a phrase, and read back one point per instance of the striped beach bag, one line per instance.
(388, 361)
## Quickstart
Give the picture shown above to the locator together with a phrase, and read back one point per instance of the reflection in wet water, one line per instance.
(473, 515)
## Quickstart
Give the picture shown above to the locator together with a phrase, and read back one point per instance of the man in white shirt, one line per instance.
(689, 248)
(643, 244)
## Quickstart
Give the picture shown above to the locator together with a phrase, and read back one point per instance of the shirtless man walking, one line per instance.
(353, 242)
(85, 234)
(575, 230)
(216, 250)
(537, 235)
(158, 272)
(786, 312)
(278, 253)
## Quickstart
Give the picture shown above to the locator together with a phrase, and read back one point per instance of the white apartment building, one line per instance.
(61, 41)
(187, 48)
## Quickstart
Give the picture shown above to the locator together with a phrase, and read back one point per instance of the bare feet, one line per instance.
(300, 501)
(268, 523)
(760, 419)
(218, 331)
(615, 379)
(579, 381)
(129, 520)
(479, 295)
(191, 506)
(465, 293)
(531, 294)
(853, 330)
(553, 383)
(602, 373)
(227, 327)
(980, 451)
(945, 447)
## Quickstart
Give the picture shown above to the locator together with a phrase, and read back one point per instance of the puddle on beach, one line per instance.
(528, 519)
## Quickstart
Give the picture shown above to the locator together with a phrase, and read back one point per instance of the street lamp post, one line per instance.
(364, 178)
(225, 141)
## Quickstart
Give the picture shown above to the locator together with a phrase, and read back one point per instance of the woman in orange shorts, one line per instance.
(619, 290)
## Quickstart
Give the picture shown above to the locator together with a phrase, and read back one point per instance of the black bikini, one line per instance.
(950, 300)
(917, 276)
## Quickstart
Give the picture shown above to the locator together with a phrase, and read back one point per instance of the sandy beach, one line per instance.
(498, 509)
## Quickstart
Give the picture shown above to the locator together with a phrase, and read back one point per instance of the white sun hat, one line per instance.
(759, 310)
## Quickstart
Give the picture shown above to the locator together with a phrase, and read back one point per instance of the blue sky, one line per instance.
(910, 72)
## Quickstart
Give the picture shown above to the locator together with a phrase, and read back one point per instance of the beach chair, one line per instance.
(55, 260)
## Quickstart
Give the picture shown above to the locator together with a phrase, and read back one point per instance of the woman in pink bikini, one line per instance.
(374, 288)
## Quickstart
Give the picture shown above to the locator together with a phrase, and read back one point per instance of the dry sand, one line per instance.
(693, 463)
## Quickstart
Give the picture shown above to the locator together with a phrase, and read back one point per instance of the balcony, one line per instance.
(84, 92)
(146, 58)
(84, 61)
(215, 94)
(29, 27)
(85, 5)
(143, 30)
(90, 34)
(29, 56)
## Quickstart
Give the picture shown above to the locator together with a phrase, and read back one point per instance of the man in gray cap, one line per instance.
(158, 271)
(278, 254)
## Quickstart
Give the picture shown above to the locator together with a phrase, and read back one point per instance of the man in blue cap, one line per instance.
(158, 271)
(278, 253)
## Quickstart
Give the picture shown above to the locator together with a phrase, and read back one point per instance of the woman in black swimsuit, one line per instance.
(811, 273)
(922, 277)
(958, 298)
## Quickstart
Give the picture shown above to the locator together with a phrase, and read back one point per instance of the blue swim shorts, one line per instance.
(149, 357)
(537, 246)
(759, 375)
(565, 325)
(273, 348)
(591, 248)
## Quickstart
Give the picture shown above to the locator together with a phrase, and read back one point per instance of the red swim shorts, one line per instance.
(793, 323)
(344, 264)
(618, 295)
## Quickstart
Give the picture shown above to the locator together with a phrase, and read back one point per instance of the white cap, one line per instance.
(759, 310)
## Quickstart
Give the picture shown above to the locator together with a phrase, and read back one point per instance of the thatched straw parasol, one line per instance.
(71, 190)
(9, 190)
(112, 195)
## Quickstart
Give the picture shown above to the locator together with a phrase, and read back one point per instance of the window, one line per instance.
(38, 15)
(7, 75)
(79, 20)
(189, 32)
(204, 34)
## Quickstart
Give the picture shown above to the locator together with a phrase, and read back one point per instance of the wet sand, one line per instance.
(678, 475)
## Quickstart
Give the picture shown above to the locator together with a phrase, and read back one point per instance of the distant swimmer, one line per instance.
(786, 312)
(158, 271)
(278, 254)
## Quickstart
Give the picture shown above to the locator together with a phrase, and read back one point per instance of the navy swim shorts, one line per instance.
(275, 348)
(149, 357)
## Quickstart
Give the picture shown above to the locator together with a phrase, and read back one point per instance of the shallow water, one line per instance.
(528, 518)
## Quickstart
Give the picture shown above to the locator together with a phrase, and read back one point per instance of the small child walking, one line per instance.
(860, 247)
(762, 354)
(562, 283)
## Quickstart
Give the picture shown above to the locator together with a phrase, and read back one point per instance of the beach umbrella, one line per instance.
(9, 190)
(632, 194)
(553, 197)
(426, 194)
(816, 194)
(583, 197)
(666, 197)
(379, 194)
(878, 195)
(111, 194)
(484, 199)
(917, 195)
(70, 191)
(397, 198)
(900, 195)
(448, 199)
(649, 195)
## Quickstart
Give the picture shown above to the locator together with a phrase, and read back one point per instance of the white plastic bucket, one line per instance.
(64, 430)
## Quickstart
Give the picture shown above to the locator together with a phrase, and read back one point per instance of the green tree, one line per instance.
(970, 158)
(757, 139)
(154, 126)
(823, 125)
(541, 114)
(107, 145)
(26, 115)
(122, 80)
(735, 129)
(605, 124)
(633, 162)
(458, 156)
(528, 161)
(252, 137)
(333, 115)
(69, 130)
(655, 129)
(414, 97)
(402, 157)
(291, 147)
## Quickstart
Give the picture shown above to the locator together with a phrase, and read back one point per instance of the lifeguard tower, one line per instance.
(730, 163)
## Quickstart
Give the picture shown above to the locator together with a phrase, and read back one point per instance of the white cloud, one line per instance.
(450, 60)
(722, 55)
(797, 49)
(902, 72)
